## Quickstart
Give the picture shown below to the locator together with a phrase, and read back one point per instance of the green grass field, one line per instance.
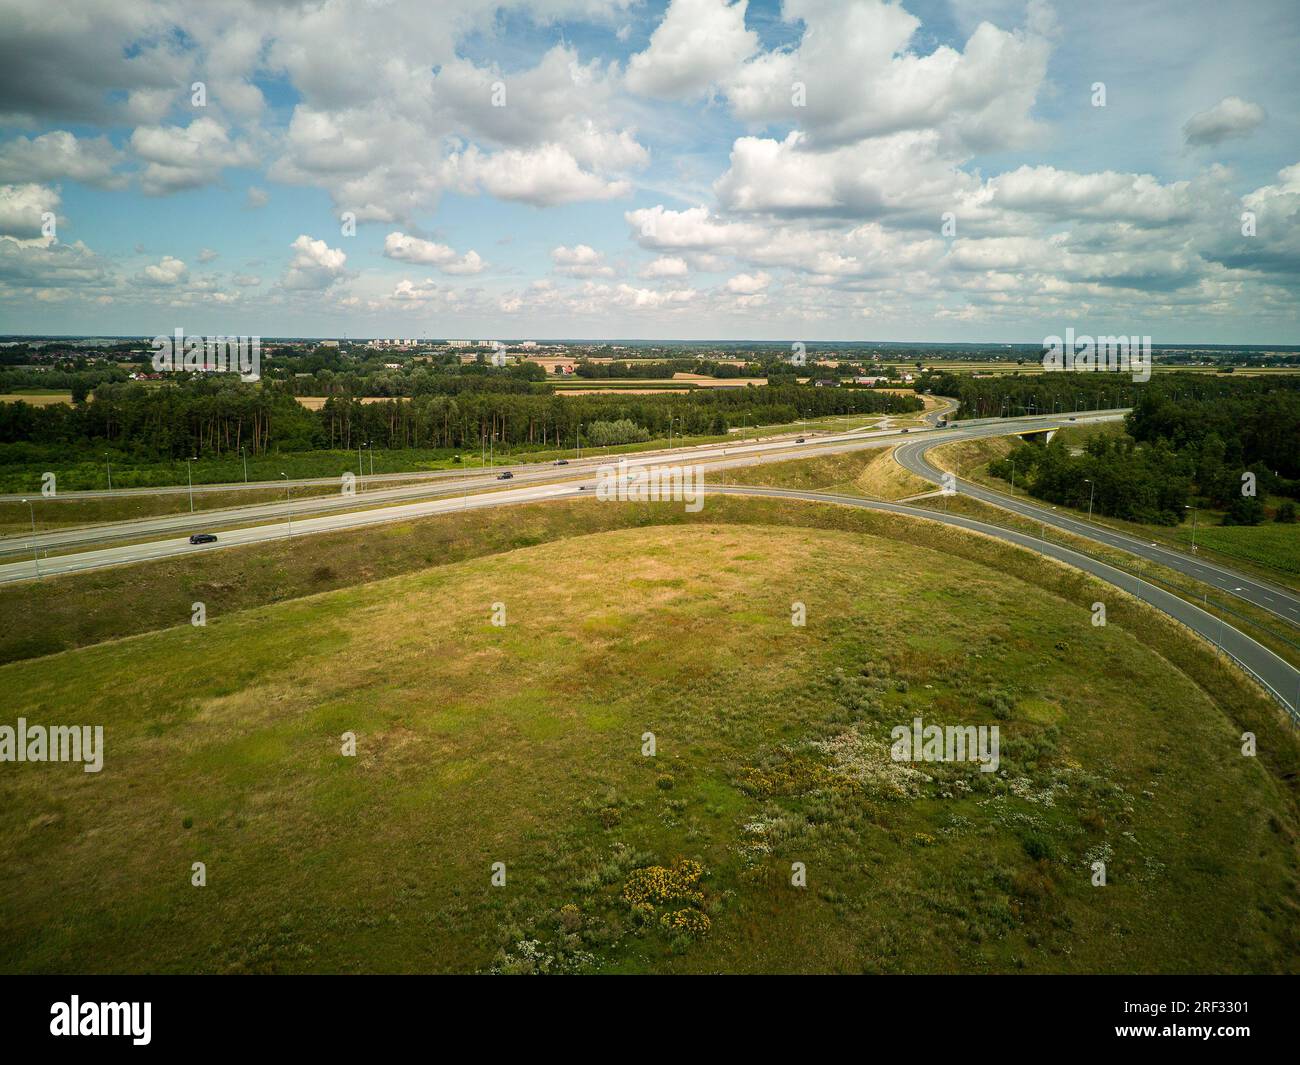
(1271, 545)
(522, 744)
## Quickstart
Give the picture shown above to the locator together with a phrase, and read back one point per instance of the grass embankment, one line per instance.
(871, 473)
(522, 744)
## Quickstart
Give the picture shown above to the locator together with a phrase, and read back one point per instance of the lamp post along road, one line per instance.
(35, 557)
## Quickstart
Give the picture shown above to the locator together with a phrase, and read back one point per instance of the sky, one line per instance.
(930, 170)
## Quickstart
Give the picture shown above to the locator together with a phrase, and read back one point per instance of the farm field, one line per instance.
(37, 398)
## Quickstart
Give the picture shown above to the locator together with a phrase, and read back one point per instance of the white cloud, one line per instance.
(859, 77)
(21, 208)
(582, 260)
(167, 273)
(1230, 117)
(544, 177)
(186, 157)
(747, 284)
(315, 265)
(59, 154)
(414, 250)
(665, 266)
(1136, 198)
(699, 43)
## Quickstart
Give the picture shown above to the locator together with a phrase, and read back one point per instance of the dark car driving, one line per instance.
(507, 476)
(203, 538)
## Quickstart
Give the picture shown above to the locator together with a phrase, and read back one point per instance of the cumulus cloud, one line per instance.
(856, 74)
(22, 210)
(699, 43)
(665, 266)
(747, 284)
(1230, 117)
(315, 265)
(186, 157)
(1137, 198)
(414, 250)
(59, 155)
(582, 260)
(544, 177)
(848, 127)
(166, 273)
(32, 270)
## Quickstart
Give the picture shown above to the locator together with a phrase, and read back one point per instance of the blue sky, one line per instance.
(645, 172)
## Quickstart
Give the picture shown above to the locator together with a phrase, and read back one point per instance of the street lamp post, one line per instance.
(244, 455)
(1193, 510)
(288, 501)
(35, 557)
(109, 465)
(189, 470)
(1092, 488)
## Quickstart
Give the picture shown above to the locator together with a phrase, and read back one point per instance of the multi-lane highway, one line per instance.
(308, 514)
(274, 521)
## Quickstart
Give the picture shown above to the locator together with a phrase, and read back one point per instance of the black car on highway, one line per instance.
(507, 476)
(203, 538)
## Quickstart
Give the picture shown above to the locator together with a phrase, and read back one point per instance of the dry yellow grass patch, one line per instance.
(883, 478)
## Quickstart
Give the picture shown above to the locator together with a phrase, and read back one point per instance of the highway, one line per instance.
(1276, 675)
(715, 456)
(1271, 598)
(272, 520)
(945, 406)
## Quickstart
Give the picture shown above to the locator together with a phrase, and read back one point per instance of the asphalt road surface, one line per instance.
(21, 547)
(1276, 675)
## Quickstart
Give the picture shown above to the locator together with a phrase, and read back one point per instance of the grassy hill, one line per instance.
(522, 744)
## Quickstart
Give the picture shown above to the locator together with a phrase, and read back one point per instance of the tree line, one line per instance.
(216, 416)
